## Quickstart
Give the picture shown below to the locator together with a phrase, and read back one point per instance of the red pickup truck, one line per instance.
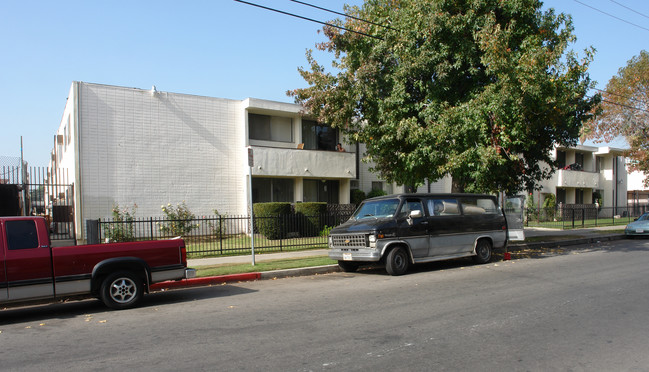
(31, 270)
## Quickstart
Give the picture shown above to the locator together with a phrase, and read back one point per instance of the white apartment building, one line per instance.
(127, 146)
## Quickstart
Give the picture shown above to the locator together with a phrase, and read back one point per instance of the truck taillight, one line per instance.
(183, 254)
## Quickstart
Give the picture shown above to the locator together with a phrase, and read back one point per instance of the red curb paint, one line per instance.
(196, 282)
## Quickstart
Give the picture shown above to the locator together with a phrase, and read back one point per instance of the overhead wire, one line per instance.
(626, 7)
(611, 15)
(308, 19)
(342, 14)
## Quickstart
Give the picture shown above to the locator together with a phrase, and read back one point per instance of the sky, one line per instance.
(216, 48)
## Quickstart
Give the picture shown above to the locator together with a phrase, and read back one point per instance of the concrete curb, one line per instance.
(563, 243)
(305, 271)
(231, 278)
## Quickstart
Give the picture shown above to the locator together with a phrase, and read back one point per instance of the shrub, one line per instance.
(271, 219)
(121, 228)
(219, 226)
(179, 220)
(549, 206)
(357, 196)
(310, 215)
(326, 230)
(376, 192)
(532, 211)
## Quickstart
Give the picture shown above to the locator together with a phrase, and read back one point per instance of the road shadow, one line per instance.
(74, 308)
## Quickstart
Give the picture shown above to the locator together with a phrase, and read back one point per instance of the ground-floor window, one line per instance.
(561, 196)
(321, 191)
(265, 190)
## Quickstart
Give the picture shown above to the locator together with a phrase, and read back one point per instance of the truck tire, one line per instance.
(482, 252)
(397, 261)
(121, 290)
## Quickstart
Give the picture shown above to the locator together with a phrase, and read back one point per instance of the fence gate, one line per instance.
(35, 191)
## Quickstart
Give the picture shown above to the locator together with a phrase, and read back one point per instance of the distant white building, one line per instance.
(584, 173)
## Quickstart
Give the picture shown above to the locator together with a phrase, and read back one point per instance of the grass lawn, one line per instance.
(226, 269)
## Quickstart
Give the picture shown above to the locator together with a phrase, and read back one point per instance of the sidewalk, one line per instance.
(553, 238)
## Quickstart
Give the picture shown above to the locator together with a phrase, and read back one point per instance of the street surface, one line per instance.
(587, 310)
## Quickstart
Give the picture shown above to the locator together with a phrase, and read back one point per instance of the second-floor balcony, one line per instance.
(577, 179)
(292, 162)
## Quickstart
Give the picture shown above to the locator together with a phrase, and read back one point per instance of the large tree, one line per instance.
(625, 112)
(477, 89)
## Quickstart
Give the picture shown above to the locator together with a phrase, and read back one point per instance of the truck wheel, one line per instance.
(348, 267)
(397, 261)
(121, 290)
(482, 251)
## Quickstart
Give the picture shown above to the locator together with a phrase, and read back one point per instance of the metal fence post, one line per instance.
(92, 231)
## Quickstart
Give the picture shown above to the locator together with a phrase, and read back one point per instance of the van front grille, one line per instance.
(349, 240)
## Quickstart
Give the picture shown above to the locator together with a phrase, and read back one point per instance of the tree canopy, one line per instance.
(625, 112)
(477, 89)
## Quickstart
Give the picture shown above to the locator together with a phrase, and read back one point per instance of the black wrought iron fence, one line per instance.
(570, 216)
(229, 235)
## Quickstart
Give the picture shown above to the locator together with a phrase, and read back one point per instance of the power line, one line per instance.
(619, 95)
(342, 14)
(307, 19)
(626, 7)
(610, 15)
(626, 106)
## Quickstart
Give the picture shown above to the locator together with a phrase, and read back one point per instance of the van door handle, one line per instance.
(425, 223)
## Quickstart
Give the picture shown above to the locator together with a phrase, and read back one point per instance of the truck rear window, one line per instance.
(21, 234)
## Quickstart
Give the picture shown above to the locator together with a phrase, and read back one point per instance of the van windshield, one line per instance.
(377, 209)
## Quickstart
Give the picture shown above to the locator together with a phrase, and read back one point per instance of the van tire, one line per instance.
(397, 261)
(348, 267)
(483, 251)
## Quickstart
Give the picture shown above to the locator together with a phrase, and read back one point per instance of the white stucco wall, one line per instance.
(157, 148)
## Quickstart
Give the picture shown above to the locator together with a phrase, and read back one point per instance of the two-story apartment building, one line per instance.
(126, 146)
(587, 173)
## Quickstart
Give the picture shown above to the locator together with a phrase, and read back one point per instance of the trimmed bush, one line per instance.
(267, 222)
(357, 196)
(310, 217)
(376, 192)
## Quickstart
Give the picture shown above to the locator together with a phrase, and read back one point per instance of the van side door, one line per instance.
(445, 226)
(412, 226)
(28, 263)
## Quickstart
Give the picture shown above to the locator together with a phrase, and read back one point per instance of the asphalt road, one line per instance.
(581, 311)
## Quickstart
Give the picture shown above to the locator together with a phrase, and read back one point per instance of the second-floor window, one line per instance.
(318, 136)
(270, 128)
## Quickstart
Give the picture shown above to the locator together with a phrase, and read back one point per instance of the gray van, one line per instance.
(399, 230)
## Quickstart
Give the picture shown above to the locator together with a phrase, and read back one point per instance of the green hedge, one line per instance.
(266, 221)
(310, 217)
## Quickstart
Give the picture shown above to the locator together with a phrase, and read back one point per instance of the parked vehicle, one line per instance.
(399, 230)
(639, 227)
(31, 270)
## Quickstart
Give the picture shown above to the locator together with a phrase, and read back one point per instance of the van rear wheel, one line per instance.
(397, 261)
(483, 252)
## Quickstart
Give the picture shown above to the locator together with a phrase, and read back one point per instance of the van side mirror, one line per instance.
(415, 214)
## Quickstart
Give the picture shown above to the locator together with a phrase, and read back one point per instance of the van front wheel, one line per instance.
(482, 252)
(397, 261)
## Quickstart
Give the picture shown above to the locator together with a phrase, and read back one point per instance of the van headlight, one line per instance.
(372, 238)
